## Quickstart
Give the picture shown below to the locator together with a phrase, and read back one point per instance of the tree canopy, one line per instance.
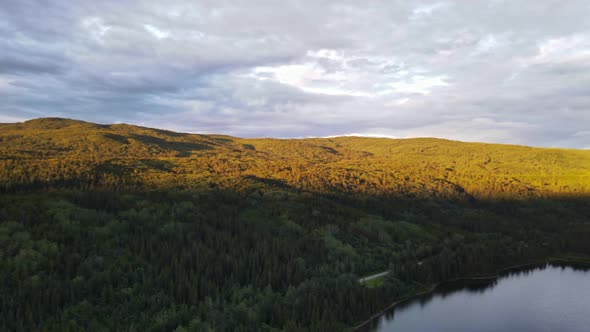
(118, 227)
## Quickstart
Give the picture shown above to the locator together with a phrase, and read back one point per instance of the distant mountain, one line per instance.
(55, 152)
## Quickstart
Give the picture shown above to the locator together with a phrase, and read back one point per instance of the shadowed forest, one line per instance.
(119, 227)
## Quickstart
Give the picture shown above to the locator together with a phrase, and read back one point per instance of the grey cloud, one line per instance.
(10, 65)
(500, 71)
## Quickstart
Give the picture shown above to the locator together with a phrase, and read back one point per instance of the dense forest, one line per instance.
(119, 227)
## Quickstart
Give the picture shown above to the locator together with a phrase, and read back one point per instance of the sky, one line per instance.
(493, 71)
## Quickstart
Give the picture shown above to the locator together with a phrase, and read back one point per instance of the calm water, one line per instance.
(548, 298)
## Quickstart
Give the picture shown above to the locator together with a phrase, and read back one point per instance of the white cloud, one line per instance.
(419, 84)
(582, 133)
(295, 75)
(425, 10)
(6, 85)
(96, 26)
(486, 45)
(156, 32)
(351, 75)
(564, 49)
(476, 130)
(309, 77)
(11, 119)
(368, 134)
(325, 54)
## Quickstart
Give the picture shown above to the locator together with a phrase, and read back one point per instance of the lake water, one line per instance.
(548, 298)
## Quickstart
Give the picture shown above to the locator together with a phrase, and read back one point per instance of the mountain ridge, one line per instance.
(39, 123)
(133, 155)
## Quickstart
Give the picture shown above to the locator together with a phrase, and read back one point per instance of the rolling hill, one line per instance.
(120, 227)
(60, 152)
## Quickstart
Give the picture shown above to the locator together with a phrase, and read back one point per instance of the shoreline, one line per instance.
(583, 261)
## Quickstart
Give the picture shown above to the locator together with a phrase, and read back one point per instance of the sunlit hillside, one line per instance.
(53, 152)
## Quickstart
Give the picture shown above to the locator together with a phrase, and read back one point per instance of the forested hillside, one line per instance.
(64, 153)
(119, 227)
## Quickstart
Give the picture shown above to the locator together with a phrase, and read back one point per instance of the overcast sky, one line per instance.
(494, 71)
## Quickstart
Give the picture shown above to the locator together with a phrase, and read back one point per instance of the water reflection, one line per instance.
(511, 302)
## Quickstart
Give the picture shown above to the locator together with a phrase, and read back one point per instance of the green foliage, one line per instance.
(118, 227)
(376, 283)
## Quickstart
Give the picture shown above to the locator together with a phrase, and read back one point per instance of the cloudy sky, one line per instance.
(494, 71)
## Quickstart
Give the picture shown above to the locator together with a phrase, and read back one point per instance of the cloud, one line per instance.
(476, 71)
(158, 33)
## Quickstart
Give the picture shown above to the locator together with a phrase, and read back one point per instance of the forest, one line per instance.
(120, 227)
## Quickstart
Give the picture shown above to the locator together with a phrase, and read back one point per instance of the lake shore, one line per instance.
(566, 260)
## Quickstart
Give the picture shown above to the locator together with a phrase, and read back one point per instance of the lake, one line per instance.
(546, 298)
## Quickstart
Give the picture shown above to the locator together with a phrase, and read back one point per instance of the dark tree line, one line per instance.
(225, 261)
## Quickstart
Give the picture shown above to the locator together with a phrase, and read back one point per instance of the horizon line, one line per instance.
(358, 135)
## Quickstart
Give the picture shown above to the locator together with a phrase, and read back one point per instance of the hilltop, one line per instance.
(58, 152)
